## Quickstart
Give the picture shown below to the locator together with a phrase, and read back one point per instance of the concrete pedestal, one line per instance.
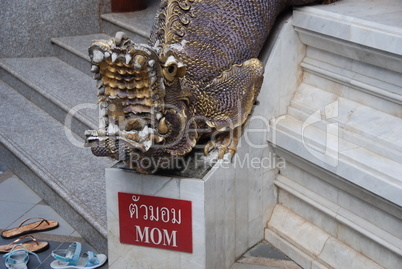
(230, 207)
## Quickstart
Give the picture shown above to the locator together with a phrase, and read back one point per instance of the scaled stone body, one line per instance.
(196, 80)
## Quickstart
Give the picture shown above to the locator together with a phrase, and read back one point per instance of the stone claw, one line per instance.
(222, 151)
(211, 145)
(226, 153)
(225, 145)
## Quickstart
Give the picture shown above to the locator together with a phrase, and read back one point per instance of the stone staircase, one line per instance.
(48, 103)
(340, 195)
(336, 120)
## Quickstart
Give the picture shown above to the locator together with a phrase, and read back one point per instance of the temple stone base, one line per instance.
(229, 214)
(123, 255)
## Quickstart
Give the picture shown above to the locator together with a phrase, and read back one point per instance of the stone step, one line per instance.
(356, 54)
(311, 197)
(56, 87)
(369, 85)
(358, 124)
(47, 157)
(74, 50)
(331, 152)
(344, 216)
(137, 25)
(310, 246)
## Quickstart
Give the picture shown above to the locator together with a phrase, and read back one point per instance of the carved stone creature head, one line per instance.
(140, 99)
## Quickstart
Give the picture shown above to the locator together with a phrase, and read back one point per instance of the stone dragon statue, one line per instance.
(195, 82)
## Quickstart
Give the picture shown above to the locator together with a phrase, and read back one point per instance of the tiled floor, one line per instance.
(264, 256)
(17, 203)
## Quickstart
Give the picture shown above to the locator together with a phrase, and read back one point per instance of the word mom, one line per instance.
(156, 236)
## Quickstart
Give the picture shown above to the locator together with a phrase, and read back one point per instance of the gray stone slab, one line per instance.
(78, 44)
(14, 190)
(111, 29)
(46, 212)
(72, 172)
(26, 26)
(139, 22)
(74, 50)
(266, 250)
(55, 86)
(3, 168)
(4, 175)
(11, 211)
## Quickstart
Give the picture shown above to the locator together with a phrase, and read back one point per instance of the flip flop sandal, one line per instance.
(71, 258)
(18, 258)
(38, 226)
(31, 244)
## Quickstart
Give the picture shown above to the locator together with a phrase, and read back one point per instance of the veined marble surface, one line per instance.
(342, 124)
(375, 23)
(346, 113)
(231, 205)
